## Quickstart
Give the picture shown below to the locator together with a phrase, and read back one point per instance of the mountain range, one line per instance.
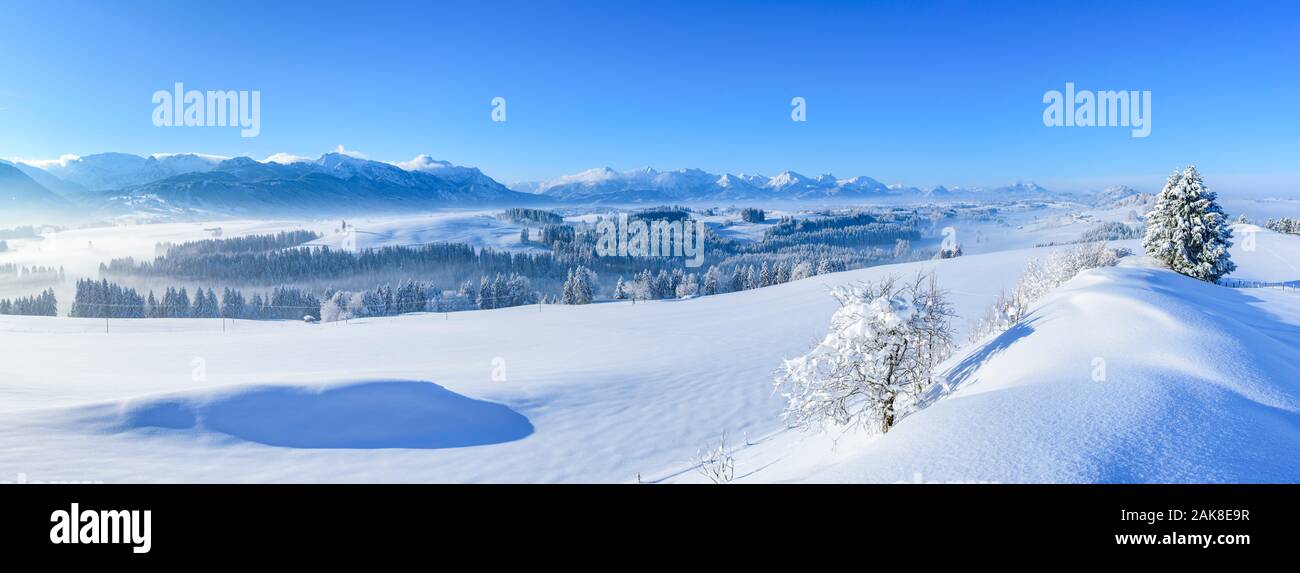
(20, 195)
(195, 185)
(605, 185)
(191, 184)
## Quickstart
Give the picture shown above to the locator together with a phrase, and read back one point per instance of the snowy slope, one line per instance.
(1201, 384)
(1264, 255)
(612, 390)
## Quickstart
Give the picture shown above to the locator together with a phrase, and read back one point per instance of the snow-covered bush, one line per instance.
(716, 462)
(876, 362)
(1039, 279)
(1187, 230)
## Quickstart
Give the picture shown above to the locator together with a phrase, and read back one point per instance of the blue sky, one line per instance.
(921, 93)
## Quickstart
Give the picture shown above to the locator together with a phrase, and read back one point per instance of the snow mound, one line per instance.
(383, 414)
(1123, 374)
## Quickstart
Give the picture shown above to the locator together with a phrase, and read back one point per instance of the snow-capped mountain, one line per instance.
(108, 171)
(606, 185)
(1123, 196)
(336, 182)
(66, 189)
(20, 195)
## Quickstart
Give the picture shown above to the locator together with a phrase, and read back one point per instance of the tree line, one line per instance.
(44, 304)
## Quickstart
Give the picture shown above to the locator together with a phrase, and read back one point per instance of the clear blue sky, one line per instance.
(921, 93)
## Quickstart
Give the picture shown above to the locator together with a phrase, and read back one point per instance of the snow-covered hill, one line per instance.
(611, 389)
(1199, 385)
(1125, 374)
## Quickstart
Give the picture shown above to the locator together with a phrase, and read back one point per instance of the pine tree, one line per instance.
(711, 279)
(751, 278)
(1187, 230)
(580, 287)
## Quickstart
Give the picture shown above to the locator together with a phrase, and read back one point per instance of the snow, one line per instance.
(383, 414)
(1266, 256)
(1199, 383)
(612, 389)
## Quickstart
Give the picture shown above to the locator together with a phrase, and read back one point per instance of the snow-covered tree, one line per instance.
(689, 287)
(765, 276)
(232, 303)
(751, 278)
(716, 462)
(737, 281)
(334, 308)
(901, 248)
(579, 287)
(781, 274)
(712, 281)
(877, 360)
(801, 270)
(1187, 230)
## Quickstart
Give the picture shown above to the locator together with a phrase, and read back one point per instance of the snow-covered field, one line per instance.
(1201, 385)
(1200, 381)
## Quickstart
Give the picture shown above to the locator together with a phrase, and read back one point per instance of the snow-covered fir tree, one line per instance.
(712, 281)
(580, 287)
(43, 304)
(1187, 230)
(689, 287)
